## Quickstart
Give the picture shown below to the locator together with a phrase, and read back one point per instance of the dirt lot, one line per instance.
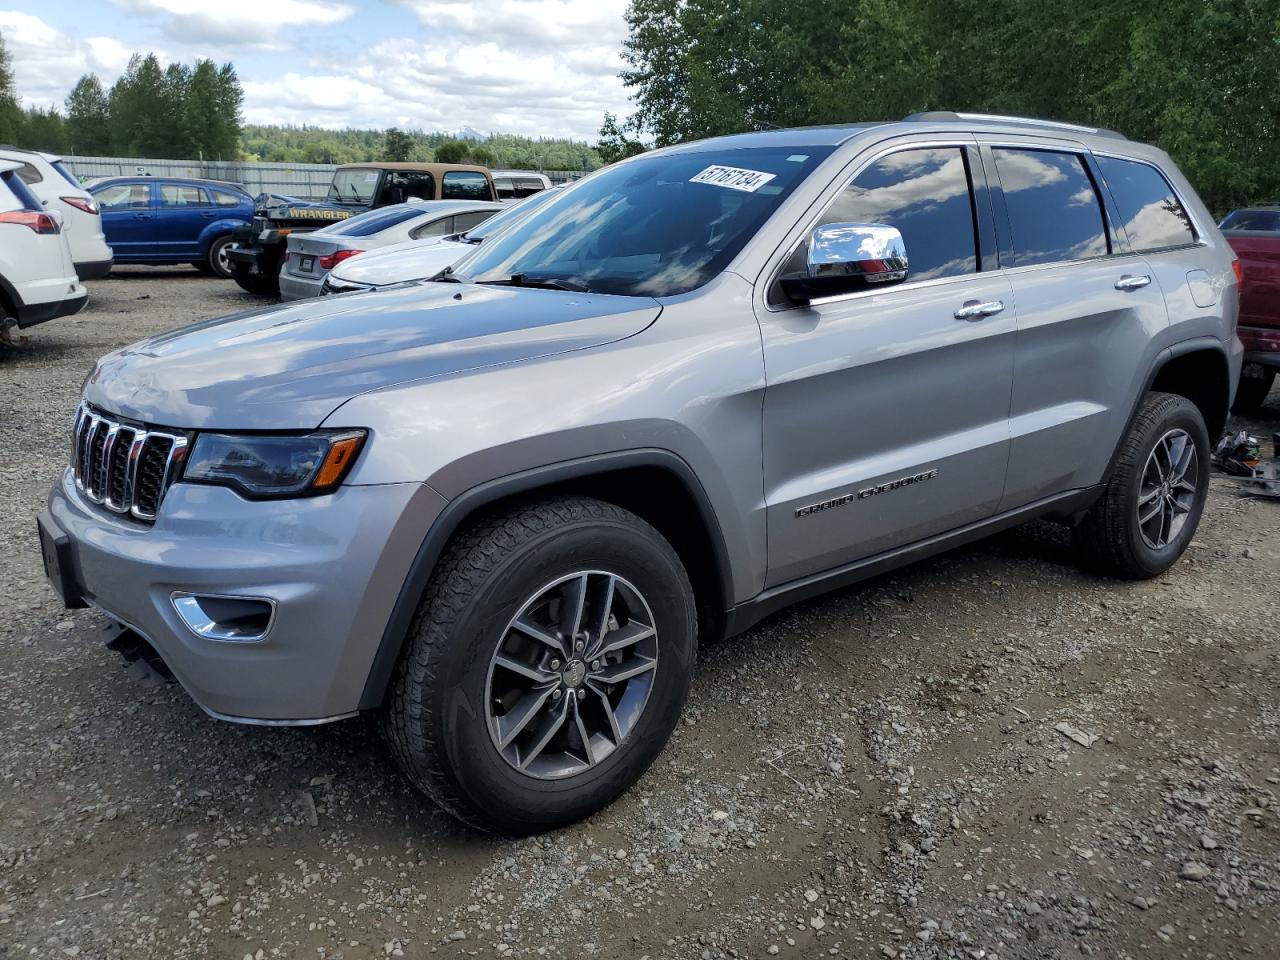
(873, 774)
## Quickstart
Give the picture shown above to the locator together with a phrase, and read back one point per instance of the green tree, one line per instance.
(451, 151)
(224, 138)
(43, 130)
(398, 145)
(10, 112)
(614, 144)
(88, 122)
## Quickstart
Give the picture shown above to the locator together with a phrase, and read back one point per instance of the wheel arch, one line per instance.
(1200, 371)
(214, 231)
(657, 485)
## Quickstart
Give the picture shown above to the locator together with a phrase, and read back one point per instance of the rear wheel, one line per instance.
(251, 281)
(1255, 384)
(1154, 495)
(546, 667)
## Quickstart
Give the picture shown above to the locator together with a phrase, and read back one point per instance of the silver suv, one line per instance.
(501, 507)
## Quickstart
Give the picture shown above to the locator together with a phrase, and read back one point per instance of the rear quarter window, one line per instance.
(30, 174)
(465, 185)
(224, 198)
(1150, 211)
(1053, 208)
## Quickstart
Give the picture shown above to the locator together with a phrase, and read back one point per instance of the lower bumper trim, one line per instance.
(255, 722)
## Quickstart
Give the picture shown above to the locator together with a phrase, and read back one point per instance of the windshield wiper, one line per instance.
(544, 283)
(446, 276)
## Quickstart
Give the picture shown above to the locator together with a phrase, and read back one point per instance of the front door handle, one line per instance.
(979, 309)
(1130, 282)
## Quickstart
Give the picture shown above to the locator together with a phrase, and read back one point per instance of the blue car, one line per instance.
(170, 220)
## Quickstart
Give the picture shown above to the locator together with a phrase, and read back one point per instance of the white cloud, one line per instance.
(535, 67)
(48, 62)
(239, 21)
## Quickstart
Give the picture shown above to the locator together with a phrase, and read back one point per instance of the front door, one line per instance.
(885, 412)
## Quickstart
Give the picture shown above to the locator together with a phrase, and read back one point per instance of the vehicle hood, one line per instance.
(401, 262)
(289, 367)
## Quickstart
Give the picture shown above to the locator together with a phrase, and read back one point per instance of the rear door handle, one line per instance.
(979, 309)
(142, 216)
(1130, 282)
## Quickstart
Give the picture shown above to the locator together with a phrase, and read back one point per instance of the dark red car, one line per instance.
(1254, 233)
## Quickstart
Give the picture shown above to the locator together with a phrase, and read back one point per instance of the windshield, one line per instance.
(1266, 220)
(512, 214)
(353, 186)
(656, 226)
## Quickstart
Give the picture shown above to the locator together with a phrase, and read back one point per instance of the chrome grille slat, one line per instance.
(125, 468)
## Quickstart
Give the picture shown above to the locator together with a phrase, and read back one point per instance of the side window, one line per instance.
(1054, 213)
(29, 174)
(1152, 216)
(401, 187)
(505, 186)
(465, 221)
(465, 185)
(182, 195)
(433, 228)
(124, 196)
(925, 194)
(224, 199)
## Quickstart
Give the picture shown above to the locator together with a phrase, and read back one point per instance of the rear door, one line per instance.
(1088, 311)
(182, 211)
(128, 218)
(885, 413)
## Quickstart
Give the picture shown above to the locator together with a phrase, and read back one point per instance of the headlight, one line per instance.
(274, 465)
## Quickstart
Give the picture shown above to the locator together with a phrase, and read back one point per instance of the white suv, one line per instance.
(37, 278)
(59, 191)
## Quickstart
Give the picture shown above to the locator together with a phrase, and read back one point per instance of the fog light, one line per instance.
(226, 618)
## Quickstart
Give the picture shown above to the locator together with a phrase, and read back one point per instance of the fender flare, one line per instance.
(10, 294)
(465, 505)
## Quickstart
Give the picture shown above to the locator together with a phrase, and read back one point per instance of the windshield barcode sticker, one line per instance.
(735, 178)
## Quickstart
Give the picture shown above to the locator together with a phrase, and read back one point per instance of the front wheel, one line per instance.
(1255, 385)
(1154, 495)
(251, 281)
(546, 666)
(217, 263)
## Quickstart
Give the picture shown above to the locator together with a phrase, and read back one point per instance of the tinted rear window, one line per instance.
(1265, 220)
(375, 221)
(65, 173)
(1054, 213)
(1150, 211)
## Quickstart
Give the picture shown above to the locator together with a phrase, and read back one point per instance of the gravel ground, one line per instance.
(884, 772)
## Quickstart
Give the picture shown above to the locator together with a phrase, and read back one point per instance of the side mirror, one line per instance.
(844, 257)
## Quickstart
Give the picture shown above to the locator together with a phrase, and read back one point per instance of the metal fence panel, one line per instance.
(307, 180)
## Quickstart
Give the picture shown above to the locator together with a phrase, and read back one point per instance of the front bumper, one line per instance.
(332, 565)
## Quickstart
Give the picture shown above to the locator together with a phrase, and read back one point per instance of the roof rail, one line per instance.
(1022, 121)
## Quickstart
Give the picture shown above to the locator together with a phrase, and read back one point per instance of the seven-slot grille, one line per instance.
(125, 467)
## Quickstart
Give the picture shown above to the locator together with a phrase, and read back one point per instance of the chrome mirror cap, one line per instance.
(844, 257)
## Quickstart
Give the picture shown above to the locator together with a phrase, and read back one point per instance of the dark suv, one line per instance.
(260, 247)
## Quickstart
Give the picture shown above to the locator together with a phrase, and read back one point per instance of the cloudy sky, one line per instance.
(538, 67)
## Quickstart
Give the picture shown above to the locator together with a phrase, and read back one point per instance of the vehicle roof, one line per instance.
(440, 206)
(6, 165)
(145, 178)
(835, 134)
(432, 168)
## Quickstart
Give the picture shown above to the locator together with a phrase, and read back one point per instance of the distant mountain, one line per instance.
(472, 134)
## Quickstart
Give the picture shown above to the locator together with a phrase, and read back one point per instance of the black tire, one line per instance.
(436, 716)
(1109, 539)
(259, 284)
(1253, 390)
(215, 264)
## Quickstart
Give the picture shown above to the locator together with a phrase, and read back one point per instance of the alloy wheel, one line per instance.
(1168, 489)
(571, 675)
